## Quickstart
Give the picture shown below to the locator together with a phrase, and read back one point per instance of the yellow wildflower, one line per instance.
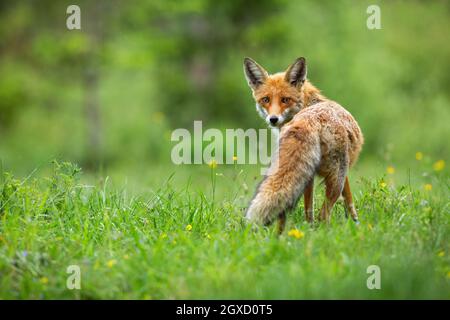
(111, 263)
(295, 233)
(234, 158)
(441, 254)
(43, 280)
(188, 227)
(163, 235)
(390, 170)
(383, 184)
(212, 164)
(419, 156)
(439, 165)
(428, 187)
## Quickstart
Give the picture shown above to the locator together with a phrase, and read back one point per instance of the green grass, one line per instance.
(139, 247)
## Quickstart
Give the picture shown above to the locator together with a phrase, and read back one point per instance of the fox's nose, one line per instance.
(273, 119)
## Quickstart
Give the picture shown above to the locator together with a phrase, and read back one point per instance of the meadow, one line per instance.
(177, 243)
(87, 179)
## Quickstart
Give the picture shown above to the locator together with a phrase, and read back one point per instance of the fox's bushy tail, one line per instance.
(298, 160)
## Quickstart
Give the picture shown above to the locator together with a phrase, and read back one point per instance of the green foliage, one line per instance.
(162, 64)
(108, 97)
(180, 244)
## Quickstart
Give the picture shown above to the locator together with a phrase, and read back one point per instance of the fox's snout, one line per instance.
(273, 120)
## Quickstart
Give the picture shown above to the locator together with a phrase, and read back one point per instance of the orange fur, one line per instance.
(276, 88)
(317, 137)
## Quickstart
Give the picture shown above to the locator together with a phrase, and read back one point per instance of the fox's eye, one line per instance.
(265, 100)
(285, 100)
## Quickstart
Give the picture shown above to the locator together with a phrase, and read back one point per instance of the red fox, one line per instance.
(317, 136)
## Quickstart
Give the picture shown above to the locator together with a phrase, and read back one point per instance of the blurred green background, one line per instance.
(109, 95)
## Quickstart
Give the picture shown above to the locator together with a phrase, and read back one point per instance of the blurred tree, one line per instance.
(15, 31)
(93, 95)
(195, 41)
(57, 55)
(94, 25)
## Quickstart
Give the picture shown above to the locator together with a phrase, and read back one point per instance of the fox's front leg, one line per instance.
(308, 197)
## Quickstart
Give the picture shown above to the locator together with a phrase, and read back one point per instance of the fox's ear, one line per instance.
(255, 74)
(296, 73)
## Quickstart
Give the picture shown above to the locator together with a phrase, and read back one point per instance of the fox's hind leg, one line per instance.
(348, 200)
(334, 184)
(309, 201)
(281, 222)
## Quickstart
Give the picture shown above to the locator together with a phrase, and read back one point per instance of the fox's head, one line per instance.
(277, 96)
